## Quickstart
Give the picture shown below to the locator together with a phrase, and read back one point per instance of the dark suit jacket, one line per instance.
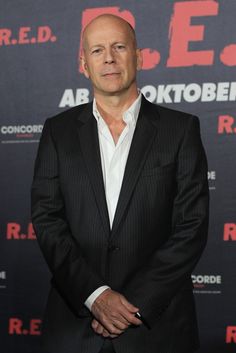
(158, 234)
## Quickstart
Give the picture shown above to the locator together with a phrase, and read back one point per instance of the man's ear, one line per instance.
(139, 59)
(84, 66)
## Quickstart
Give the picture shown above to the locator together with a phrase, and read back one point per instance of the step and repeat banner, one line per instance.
(189, 50)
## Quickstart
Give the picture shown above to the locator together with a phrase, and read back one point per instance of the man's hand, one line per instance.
(100, 330)
(114, 313)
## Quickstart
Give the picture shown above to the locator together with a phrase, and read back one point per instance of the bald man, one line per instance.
(120, 210)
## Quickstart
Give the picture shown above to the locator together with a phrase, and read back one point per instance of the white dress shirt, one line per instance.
(113, 159)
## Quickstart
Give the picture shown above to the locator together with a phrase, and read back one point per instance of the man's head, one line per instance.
(110, 56)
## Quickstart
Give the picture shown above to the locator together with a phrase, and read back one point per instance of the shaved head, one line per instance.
(110, 57)
(103, 20)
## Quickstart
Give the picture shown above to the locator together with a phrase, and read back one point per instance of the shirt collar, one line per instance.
(129, 116)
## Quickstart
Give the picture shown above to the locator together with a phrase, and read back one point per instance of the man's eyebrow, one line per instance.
(96, 45)
(102, 45)
(119, 42)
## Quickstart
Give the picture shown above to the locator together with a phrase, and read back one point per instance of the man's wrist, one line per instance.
(91, 299)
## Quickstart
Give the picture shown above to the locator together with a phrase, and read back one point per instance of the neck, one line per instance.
(114, 106)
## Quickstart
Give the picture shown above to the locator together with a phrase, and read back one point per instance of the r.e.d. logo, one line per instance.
(14, 232)
(18, 327)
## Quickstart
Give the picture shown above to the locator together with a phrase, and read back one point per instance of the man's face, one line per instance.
(110, 57)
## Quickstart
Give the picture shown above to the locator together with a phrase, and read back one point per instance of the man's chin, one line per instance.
(112, 90)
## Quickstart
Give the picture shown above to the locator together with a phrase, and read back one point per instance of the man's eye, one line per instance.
(96, 51)
(119, 47)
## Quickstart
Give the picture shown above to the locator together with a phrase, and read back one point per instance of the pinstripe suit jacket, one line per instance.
(158, 234)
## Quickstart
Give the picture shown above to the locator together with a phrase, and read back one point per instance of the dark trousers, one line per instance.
(107, 347)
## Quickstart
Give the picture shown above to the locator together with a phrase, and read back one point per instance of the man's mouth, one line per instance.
(108, 74)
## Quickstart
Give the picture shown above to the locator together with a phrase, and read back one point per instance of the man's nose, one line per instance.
(109, 56)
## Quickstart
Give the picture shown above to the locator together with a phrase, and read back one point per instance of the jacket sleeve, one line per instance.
(170, 267)
(72, 276)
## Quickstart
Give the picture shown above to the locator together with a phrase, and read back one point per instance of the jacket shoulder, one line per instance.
(168, 115)
(69, 115)
(172, 125)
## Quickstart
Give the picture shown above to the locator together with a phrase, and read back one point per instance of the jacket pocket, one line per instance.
(159, 170)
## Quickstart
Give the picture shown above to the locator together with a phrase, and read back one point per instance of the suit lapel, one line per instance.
(142, 140)
(89, 144)
(144, 135)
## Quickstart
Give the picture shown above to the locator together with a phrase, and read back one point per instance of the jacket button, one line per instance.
(113, 248)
